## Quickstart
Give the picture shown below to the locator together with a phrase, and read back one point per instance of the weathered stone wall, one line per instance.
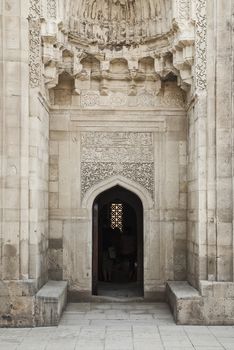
(24, 165)
(223, 113)
(210, 198)
(14, 148)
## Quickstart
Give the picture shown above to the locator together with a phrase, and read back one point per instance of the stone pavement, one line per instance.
(118, 326)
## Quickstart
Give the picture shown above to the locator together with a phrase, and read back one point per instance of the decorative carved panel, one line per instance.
(129, 154)
(90, 99)
(201, 45)
(183, 9)
(93, 173)
(51, 9)
(171, 98)
(35, 43)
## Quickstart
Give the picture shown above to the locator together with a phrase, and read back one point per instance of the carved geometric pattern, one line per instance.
(146, 100)
(174, 98)
(201, 45)
(94, 173)
(118, 99)
(35, 9)
(90, 99)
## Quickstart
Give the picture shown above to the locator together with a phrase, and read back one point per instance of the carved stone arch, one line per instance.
(117, 180)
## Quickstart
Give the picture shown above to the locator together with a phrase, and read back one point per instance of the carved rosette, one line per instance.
(34, 43)
(129, 154)
(201, 45)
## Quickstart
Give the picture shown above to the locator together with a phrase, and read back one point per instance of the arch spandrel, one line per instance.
(130, 185)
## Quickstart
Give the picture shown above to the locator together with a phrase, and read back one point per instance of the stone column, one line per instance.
(223, 116)
(197, 156)
(16, 290)
(38, 149)
(14, 140)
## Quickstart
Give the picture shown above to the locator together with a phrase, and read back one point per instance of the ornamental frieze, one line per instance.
(173, 98)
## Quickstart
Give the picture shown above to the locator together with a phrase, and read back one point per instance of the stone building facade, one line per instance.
(103, 93)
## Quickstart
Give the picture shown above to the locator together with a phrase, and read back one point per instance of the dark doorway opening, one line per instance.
(117, 244)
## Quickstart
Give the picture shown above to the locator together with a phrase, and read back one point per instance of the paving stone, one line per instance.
(116, 333)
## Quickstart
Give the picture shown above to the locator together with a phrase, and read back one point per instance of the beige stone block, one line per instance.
(11, 198)
(12, 8)
(224, 234)
(54, 200)
(13, 136)
(224, 193)
(54, 172)
(54, 148)
(56, 229)
(12, 33)
(11, 232)
(206, 288)
(225, 263)
(183, 200)
(53, 186)
(59, 135)
(180, 230)
(10, 261)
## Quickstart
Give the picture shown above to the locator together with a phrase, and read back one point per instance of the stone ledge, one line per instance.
(50, 302)
(214, 306)
(184, 300)
(183, 290)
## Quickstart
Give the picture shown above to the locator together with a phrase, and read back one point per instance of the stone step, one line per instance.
(51, 300)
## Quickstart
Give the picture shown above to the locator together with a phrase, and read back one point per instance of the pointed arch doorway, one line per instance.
(117, 257)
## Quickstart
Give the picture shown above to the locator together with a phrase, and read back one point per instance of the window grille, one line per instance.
(117, 216)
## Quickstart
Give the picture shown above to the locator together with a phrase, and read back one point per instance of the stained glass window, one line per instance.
(117, 216)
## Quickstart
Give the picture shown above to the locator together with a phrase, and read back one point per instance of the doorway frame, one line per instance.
(135, 188)
(133, 201)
